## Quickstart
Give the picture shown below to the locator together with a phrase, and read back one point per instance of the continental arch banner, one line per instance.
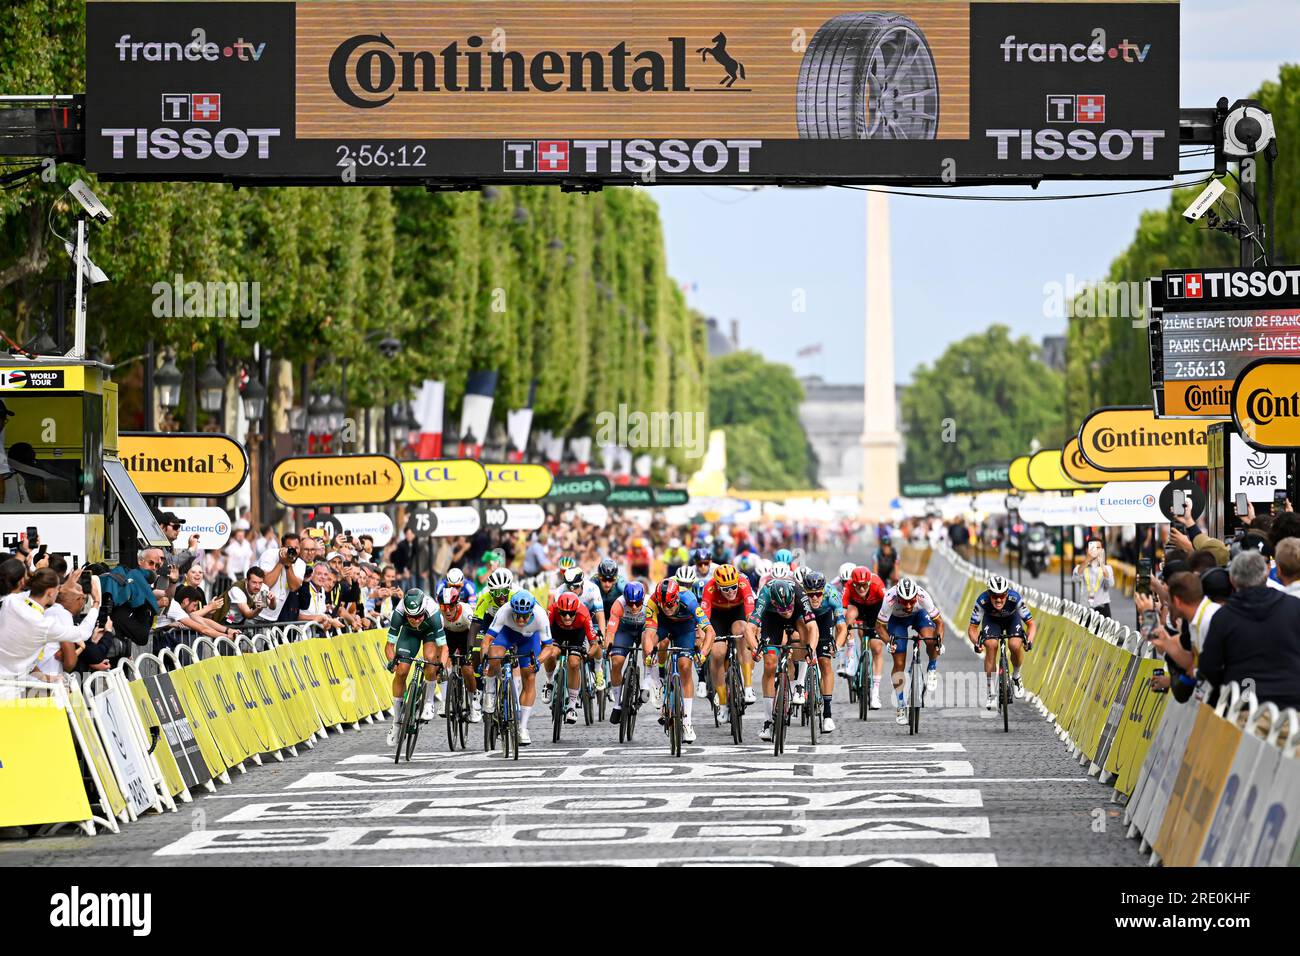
(631, 91)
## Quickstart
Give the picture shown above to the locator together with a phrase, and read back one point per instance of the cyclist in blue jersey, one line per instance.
(1001, 613)
(674, 617)
(523, 625)
(456, 579)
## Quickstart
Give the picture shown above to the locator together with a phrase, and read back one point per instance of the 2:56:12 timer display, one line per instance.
(369, 155)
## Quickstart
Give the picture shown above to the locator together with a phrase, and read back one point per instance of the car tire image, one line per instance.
(868, 76)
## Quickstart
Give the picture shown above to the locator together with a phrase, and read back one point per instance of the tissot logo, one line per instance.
(368, 71)
(1070, 108)
(635, 156)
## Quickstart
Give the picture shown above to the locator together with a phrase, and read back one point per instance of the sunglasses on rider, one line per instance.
(815, 594)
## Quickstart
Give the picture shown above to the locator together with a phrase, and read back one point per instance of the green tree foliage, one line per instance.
(985, 398)
(756, 403)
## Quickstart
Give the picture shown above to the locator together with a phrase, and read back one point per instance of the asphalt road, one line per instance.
(962, 792)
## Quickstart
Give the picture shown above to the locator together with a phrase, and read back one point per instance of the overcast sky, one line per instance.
(957, 266)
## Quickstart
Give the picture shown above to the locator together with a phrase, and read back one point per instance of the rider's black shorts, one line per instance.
(724, 618)
(998, 628)
(458, 641)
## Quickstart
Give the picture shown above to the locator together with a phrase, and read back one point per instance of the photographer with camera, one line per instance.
(1097, 575)
(283, 573)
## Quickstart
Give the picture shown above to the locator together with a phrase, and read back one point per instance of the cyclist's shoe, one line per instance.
(766, 732)
(724, 715)
(392, 736)
(901, 716)
(570, 714)
(616, 715)
(657, 695)
(438, 690)
(600, 678)
(1019, 686)
(750, 696)
(828, 725)
(701, 691)
(475, 712)
(844, 670)
(428, 710)
(547, 692)
(931, 681)
(991, 702)
(524, 739)
(875, 698)
(645, 694)
(490, 701)
(688, 734)
(798, 698)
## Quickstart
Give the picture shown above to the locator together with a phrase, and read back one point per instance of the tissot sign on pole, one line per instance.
(632, 91)
(1207, 325)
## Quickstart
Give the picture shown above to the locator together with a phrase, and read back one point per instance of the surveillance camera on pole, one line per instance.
(95, 209)
(1203, 203)
(87, 271)
(1248, 131)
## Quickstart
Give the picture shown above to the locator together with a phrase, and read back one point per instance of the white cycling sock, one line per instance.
(767, 709)
(489, 685)
(397, 702)
(524, 714)
(573, 694)
(993, 682)
(616, 694)
(800, 672)
(688, 701)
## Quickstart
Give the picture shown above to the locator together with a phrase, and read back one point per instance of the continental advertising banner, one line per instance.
(336, 480)
(1125, 438)
(197, 465)
(546, 91)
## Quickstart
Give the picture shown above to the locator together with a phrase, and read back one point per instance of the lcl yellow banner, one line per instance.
(443, 479)
(1080, 469)
(1266, 404)
(518, 482)
(1125, 438)
(337, 480)
(1018, 472)
(198, 465)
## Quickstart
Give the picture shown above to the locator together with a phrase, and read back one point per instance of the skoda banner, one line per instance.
(956, 482)
(442, 479)
(336, 480)
(630, 496)
(578, 489)
(1127, 438)
(630, 91)
(519, 482)
(1266, 404)
(669, 497)
(183, 465)
(922, 489)
(989, 476)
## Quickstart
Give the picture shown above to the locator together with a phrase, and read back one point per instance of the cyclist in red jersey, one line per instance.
(728, 602)
(572, 633)
(863, 595)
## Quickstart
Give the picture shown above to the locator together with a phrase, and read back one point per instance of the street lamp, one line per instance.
(298, 426)
(335, 411)
(401, 430)
(168, 381)
(521, 215)
(318, 415)
(212, 389)
(254, 397)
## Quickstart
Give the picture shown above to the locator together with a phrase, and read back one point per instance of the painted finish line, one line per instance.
(729, 750)
(654, 773)
(202, 842)
(480, 808)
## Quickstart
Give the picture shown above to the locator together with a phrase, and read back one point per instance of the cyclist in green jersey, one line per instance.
(415, 626)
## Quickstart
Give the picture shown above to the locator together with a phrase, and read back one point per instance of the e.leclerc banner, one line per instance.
(192, 465)
(1125, 438)
(336, 480)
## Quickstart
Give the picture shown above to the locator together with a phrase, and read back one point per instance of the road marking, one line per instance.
(639, 753)
(482, 808)
(402, 838)
(882, 859)
(645, 773)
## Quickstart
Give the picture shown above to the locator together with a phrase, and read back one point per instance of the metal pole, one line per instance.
(79, 328)
(1248, 179)
(192, 396)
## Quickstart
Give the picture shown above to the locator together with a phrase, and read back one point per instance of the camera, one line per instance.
(291, 554)
(95, 209)
(1247, 130)
(1203, 203)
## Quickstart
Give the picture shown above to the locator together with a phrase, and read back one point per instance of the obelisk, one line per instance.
(880, 436)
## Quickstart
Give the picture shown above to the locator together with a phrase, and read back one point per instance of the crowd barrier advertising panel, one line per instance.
(632, 91)
(41, 782)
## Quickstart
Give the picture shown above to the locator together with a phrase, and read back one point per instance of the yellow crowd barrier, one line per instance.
(158, 727)
(913, 559)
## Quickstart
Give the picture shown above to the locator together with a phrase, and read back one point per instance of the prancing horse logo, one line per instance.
(725, 60)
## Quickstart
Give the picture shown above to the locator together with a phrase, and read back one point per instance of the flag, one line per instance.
(808, 350)
(642, 465)
(519, 422)
(476, 412)
(428, 411)
(581, 448)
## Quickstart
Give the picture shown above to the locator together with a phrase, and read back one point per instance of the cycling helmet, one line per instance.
(746, 562)
(674, 543)
(701, 556)
(500, 579)
(812, 580)
(686, 576)
(491, 557)
(567, 562)
(567, 603)
(572, 577)
(607, 570)
(413, 602)
(449, 595)
(782, 571)
(634, 593)
(668, 592)
(800, 573)
(846, 570)
(522, 603)
(998, 584)
(781, 595)
(784, 556)
(455, 577)
(861, 576)
(763, 567)
(725, 576)
(906, 590)
(719, 549)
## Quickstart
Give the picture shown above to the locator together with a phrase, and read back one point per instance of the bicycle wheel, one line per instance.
(450, 703)
(918, 689)
(1004, 692)
(602, 695)
(735, 701)
(584, 692)
(780, 715)
(675, 715)
(559, 695)
(631, 697)
(814, 707)
(462, 716)
(413, 725)
(863, 678)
